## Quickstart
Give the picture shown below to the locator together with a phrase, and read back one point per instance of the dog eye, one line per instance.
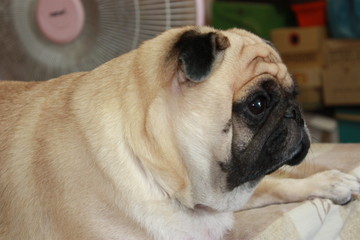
(258, 105)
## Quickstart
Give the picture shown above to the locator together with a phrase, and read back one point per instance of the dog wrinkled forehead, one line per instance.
(256, 57)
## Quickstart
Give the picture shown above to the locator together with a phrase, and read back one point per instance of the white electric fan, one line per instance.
(42, 39)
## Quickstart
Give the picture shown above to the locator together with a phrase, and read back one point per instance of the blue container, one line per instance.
(344, 18)
(348, 124)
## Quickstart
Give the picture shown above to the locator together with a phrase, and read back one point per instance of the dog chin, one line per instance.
(230, 201)
(294, 155)
(235, 199)
(298, 154)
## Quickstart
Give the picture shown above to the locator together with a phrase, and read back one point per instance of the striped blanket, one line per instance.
(312, 219)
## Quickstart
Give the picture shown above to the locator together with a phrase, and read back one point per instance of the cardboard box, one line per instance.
(310, 98)
(309, 81)
(342, 52)
(300, 46)
(307, 77)
(342, 72)
(341, 85)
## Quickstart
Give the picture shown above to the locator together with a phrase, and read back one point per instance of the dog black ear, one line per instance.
(198, 51)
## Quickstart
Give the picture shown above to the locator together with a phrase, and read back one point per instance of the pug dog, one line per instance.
(164, 142)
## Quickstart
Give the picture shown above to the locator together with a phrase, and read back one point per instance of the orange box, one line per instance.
(310, 13)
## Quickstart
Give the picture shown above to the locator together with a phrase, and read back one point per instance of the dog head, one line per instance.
(228, 105)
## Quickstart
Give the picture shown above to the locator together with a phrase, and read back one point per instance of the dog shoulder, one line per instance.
(11, 89)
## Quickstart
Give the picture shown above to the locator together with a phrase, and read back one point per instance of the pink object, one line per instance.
(61, 21)
(200, 12)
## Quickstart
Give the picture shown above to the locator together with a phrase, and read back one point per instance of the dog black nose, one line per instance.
(293, 112)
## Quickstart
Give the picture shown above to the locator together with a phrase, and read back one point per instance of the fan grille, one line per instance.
(111, 28)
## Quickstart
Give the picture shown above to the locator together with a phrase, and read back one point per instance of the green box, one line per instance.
(348, 124)
(258, 18)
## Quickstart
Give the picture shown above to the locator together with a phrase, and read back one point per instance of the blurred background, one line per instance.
(319, 40)
(320, 43)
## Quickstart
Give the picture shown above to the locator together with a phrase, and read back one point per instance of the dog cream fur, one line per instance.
(124, 151)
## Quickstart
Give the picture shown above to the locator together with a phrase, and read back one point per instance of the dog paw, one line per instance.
(334, 185)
